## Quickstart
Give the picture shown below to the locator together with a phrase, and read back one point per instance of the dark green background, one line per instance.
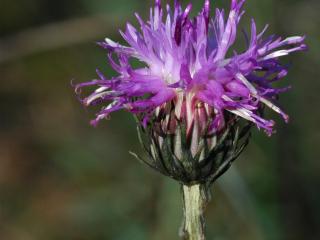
(63, 179)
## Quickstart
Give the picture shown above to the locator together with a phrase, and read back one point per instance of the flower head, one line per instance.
(188, 63)
(194, 88)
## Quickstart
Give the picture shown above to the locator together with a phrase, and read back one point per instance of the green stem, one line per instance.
(195, 199)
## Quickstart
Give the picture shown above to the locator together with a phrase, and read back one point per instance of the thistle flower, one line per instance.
(195, 98)
(191, 81)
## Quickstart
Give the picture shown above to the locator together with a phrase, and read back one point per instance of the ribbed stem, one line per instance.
(195, 198)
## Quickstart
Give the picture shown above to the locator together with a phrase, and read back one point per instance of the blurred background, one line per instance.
(61, 179)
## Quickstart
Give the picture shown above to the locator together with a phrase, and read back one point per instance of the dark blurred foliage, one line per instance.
(63, 179)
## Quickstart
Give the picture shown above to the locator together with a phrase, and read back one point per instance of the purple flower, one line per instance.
(189, 64)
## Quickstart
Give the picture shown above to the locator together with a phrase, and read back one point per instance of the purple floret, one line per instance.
(188, 62)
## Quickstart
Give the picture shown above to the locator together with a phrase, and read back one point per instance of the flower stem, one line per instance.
(195, 198)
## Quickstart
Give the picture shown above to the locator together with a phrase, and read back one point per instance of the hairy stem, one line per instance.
(195, 198)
